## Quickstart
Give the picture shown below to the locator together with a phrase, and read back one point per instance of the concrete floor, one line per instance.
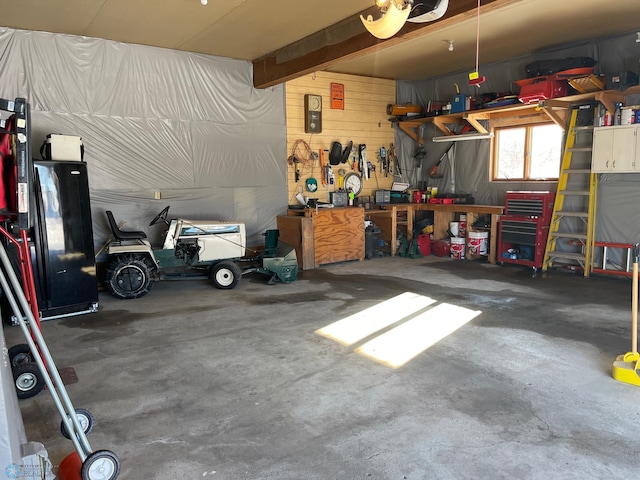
(191, 382)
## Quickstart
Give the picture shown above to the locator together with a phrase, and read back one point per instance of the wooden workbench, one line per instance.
(386, 218)
(388, 222)
(324, 235)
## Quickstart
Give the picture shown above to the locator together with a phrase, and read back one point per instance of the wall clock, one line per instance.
(312, 113)
(353, 183)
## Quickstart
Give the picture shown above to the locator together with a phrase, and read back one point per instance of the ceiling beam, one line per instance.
(348, 39)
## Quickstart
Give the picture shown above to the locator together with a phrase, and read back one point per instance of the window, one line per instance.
(530, 152)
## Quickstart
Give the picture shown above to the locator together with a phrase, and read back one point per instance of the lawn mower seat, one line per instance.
(123, 234)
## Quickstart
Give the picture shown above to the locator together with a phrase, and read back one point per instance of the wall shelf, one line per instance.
(607, 97)
(555, 109)
(472, 117)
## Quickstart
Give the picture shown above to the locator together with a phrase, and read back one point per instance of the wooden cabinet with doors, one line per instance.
(616, 149)
(324, 235)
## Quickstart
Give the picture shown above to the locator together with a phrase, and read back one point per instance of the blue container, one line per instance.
(459, 104)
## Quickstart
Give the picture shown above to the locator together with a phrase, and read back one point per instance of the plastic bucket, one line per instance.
(457, 248)
(478, 243)
(454, 228)
(463, 225)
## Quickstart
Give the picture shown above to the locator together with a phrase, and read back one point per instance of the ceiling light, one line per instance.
(204, 2)
(391, 21)
(450, 47)
(428, 11)
(395, 13)
(462, 137)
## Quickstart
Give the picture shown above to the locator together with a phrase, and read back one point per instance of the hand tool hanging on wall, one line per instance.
(302, 160)
(346, 153)
(384, 164)
(433, 173)
(363, 164)
(341, 173)
(322, 165)
(335, 154)
(329, 177)
(296, 164)
(393, 159)
(353, 158)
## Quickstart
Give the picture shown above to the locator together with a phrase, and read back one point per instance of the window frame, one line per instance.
(528, 125)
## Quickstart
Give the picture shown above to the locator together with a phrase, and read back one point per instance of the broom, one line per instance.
(626, 367)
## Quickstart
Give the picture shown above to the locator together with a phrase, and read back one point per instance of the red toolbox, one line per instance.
(524, 227)
(522, 241)
(528, 203)
(543, 89)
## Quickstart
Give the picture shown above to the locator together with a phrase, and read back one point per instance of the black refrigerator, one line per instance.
(62, 250)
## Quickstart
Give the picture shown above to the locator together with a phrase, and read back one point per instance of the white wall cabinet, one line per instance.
(616, 149)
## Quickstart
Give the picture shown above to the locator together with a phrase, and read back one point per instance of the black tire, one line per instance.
(225, 275)
(129, 276)
(27, 379)
(100, 465)
(86, 422)
(20, 353)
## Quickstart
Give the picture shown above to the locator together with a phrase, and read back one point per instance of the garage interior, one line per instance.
(376, 362)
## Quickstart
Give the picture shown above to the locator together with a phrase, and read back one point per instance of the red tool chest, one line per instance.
(543, 90)
(530, 204)
(523, 229)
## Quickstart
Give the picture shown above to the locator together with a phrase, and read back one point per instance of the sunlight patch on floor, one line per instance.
(417, 329)
(398, 346)
(360, 325)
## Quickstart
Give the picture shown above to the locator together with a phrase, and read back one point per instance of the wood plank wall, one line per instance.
(364, 120)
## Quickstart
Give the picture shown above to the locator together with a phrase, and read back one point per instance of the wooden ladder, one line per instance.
(572, 228)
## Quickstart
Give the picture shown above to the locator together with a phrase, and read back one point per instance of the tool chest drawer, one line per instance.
(524, 232)
(522, 240)
(530, 204)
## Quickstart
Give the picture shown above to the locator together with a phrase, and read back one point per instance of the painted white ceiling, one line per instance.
(250, 29)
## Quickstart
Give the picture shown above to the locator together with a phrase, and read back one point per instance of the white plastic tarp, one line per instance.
(189, 126)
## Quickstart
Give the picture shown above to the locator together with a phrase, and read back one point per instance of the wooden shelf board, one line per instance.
(554, 108)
